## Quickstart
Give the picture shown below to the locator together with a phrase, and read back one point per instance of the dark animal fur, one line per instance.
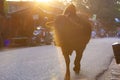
(71, 33)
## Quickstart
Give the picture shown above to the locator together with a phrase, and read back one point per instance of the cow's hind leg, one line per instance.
(66, 53)
(79, 53)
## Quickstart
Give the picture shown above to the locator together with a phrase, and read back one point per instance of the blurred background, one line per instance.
(22, 22)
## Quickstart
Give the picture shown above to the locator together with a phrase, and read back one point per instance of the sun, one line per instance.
(43, 0)
(32, 0)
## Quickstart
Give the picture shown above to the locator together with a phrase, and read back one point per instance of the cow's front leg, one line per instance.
(67, 74)
(67, 61)
(77, 60)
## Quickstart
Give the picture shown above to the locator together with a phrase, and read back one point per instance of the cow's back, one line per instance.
(71, 35)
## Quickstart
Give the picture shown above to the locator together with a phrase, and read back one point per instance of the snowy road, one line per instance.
(47, 62)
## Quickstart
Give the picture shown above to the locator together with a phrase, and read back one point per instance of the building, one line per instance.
(22, 19)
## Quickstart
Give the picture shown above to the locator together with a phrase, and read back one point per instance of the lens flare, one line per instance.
(43, 0)
(31, 0)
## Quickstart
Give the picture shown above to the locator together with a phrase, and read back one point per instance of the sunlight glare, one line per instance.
(43, 0)
(32, 0)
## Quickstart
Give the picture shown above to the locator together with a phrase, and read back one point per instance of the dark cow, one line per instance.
(71, 32)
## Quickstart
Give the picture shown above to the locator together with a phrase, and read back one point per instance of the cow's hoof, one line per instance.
(76, 70)
(67, 77)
